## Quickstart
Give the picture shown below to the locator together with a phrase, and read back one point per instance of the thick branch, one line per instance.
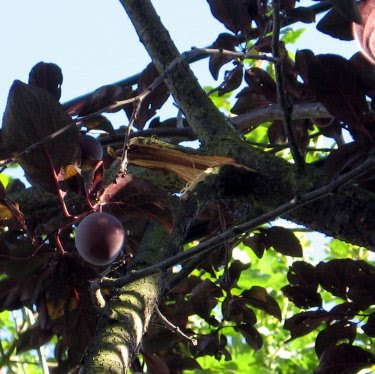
(207, 122)
(212, 243)
(121, 328)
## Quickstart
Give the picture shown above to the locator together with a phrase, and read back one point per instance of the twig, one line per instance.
(242, 122)
(184, 272)
(211, 244)
(4, 361)
(185, 133)
(185, 56)
(125, 149)
(173, 328)
(274, 112)
(56, 181)
(234, 54)
(279, 147)
(188, 57)
(283, 98)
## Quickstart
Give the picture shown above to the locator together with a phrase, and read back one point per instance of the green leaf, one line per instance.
(291, 35)
(5, 179)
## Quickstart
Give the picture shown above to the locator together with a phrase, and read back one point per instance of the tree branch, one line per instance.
(211, 244)
(204, 118)
(283, 97)
(128, 312)
(180, 134)
(242, 122)
(174, 328)
(273, 112)
(206, 121)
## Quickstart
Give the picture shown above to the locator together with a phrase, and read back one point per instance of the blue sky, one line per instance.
(91, 40)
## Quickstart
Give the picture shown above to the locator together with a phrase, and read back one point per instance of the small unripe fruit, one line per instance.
(99, 238)
(91, 149)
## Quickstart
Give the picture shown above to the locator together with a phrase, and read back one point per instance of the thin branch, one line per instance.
(184, 272)
(283, 98)
(23, 362)
(234, 54)
(279, 147)
(211, 244)
(4, 361)
(173, 328)
(185, 133)
(125, 149)
(274, 112)
(242, 122)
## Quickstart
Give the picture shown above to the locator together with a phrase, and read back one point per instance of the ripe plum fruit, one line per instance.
(99, 238)
(91, 148)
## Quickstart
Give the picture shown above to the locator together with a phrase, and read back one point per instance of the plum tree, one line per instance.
(99, 238)
(252, 166)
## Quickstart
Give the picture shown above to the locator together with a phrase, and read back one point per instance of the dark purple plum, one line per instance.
(99, 238)
(91, 148)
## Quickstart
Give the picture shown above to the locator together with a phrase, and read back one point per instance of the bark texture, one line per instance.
(127, 312)
(122, 326)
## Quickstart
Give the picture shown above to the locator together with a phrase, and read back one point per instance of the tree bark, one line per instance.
(345, 215)
(120, 329)
(126, 315)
